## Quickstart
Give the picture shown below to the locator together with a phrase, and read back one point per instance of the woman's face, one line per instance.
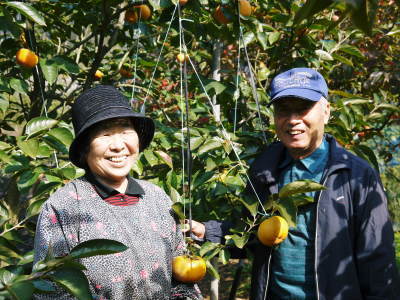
(112, 151)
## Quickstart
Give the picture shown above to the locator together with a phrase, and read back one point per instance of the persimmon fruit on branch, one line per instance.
(27, 58)
(273, 231)
(142, 12)
(188, 269)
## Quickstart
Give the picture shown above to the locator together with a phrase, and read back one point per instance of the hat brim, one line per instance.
(144, 127)
(305, 94)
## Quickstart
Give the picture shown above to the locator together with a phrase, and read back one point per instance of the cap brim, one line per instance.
(304, 94)
(144, 127)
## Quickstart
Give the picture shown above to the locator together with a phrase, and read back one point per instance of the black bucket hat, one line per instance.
(101, 103)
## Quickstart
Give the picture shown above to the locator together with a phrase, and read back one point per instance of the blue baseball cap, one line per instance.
(303, 83)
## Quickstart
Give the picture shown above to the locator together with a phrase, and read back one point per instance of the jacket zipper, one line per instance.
(316, 241)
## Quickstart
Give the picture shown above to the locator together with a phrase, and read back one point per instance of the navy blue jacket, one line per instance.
(354, 242)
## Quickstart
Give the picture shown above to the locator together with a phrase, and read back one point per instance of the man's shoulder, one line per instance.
(351, 160)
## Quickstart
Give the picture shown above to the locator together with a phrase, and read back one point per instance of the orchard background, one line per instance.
(209, 106)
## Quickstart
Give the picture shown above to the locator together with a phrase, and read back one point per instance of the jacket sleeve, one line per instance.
(375, 254)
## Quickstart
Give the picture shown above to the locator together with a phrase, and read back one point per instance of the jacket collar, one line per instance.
(105, 191)
(339, 157)
(265, 167)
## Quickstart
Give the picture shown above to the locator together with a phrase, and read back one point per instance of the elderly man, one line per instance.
(342, 247)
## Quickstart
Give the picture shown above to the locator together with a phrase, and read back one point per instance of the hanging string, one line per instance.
(137, 35)
(158, 60)
(227, 137)
(224, 132)
(237, 92)
(181, 70)
(182, 46)
(253, 85)
(44, 101)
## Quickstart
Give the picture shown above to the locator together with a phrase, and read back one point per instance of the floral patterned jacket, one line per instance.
(76, 213)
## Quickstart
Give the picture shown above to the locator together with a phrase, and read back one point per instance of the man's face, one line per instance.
(300, 124)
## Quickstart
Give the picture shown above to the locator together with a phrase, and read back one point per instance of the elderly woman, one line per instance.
(108, 203)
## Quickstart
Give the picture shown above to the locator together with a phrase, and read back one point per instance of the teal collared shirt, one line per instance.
(292, 275)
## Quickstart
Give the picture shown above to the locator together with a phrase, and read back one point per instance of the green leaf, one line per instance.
(363, 14)
(323, 55)
(67, 64)
(201, 177)
(239, 241)
(4, 146)
(49, 69)
(352, 50)
(3, 104)
(252, 208)
(34, 208)
(7, 249)
(196, 142)
(69, 173)
(216, 86)
(356, 102)
(288, 211)
(367, 153)
(27, 179)
(262, 37)
(388, 107)
(97, 247)
(342, 59)
(211, 270)
(27, 258)
(248, 38)
(19, 86)
(208, 247)
(55, 144)
(64, 135)
(224, 256)
(8, 24)
(28, 11)
(22, 290)
(300, 200)
(210, 144)
(300, 187)
(177, 207)
(29, 147)
(165, 158)
(174, 195)
(310, 8)
(44, 286)
(4, 157)
(38, 124)
(150, 157)
(74, 281)
(138, 167)
(273, 37)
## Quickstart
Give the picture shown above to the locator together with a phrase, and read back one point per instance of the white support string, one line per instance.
(224, 132)
(158, 59)
(237, 92)
(182, 116)
(227, 137)
(45, 108)
(135, 65)
(253, 86)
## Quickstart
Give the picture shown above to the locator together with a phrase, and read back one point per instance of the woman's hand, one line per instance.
(198, 229)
